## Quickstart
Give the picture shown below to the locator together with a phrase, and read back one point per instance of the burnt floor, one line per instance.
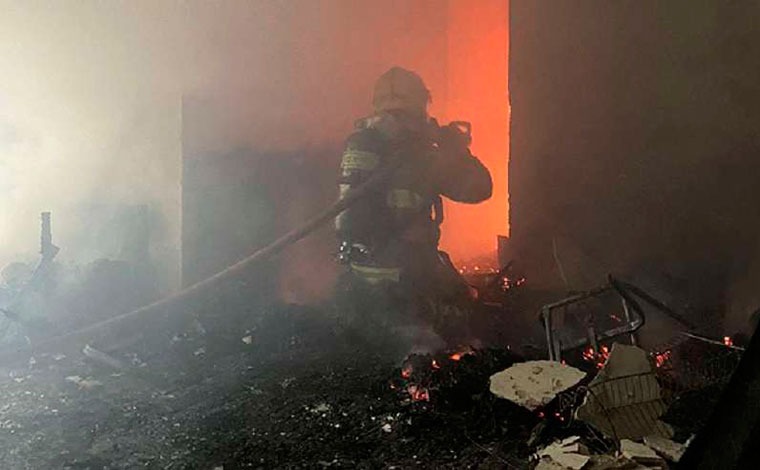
(289, 390)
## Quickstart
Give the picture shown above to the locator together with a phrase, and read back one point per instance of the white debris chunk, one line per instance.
(287, 382)
(321, 408)
(641, 453)
(87, 384)
(568, 453)
(102, 358)
(387, 427)
(247, 339)
(635, 451)
(198, 327)
(83, 384)
(670, 450)
(535, 383)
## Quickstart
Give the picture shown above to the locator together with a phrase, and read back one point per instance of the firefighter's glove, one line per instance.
(454, 139)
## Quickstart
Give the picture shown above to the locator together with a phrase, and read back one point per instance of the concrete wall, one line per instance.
(634, 144)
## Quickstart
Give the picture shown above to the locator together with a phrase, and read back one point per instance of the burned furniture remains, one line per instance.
(559, 340)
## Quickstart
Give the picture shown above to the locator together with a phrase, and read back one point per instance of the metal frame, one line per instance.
(634, 316)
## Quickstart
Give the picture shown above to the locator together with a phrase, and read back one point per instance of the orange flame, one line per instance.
(458, 355)
(477, 90)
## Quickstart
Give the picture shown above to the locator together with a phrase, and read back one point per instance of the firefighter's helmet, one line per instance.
(401, 89)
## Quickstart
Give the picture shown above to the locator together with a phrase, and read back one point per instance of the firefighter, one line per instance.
(389, 239)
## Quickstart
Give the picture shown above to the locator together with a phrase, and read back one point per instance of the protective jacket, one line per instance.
(387, 234)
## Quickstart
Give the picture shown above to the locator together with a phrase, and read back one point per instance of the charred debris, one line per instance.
(275, 386)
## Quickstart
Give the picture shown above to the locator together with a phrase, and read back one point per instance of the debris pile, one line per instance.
(614, 417)
(571, 454)
(450, 378)
(567, 453)
(288, 387)
(617, 415)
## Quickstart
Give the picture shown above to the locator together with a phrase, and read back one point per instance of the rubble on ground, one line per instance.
(641, 453)
(568, 453)
(290, 388)
(297, 396)
(611, 462)
(617, 415)
(666, 448)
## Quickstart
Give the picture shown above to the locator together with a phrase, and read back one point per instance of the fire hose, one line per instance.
(75, 340)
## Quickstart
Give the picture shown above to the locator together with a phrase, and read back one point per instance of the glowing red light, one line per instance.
(660, 359)
(460, 354)
(418, 393)
(597, 358)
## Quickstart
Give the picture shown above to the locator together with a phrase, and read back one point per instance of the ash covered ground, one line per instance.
(286, 388)
(231, 383)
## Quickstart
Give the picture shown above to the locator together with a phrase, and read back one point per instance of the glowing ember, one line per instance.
(728, 341)
(597, 358)
(435, 364)
(458, 355)
(588, 354)
(406, 371)
(418, 393)
(661, 359)
(508, 283)
(477, 270)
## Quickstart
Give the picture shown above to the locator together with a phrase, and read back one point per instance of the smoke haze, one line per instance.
(91, 95)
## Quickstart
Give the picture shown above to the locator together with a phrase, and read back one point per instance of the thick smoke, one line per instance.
(90, 104)
(91, 96)
(88, 115)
